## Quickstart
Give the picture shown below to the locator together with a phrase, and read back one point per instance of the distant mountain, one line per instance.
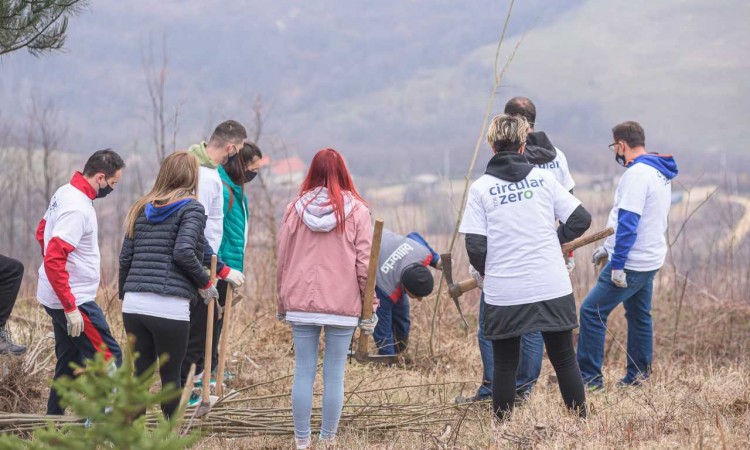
(396, 85)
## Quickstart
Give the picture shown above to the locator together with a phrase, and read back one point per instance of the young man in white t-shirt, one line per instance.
(636, 252)
(223, 145)
(69, 275)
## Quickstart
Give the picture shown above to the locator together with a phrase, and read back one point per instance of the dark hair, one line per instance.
(236, 168)
(630, 132)
(103, 161)
(521, 106)
(229, 131)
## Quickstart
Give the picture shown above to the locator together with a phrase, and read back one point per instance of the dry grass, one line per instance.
(699, 396)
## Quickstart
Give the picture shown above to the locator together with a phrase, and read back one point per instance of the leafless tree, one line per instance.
(156, 81)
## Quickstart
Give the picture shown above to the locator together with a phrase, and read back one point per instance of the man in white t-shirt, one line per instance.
(636, 252)
(223, 145)
(69, 275)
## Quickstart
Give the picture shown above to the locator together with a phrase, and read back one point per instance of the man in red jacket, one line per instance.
(69, 275)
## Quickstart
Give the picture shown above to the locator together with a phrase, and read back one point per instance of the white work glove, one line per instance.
(235, 278)
(208, 294)
(75, 323)
(619, 278)
(475, 274)
(599, 254)
(570, 263)
(368, 325)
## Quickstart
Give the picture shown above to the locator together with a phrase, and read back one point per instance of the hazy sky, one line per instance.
(396, 82)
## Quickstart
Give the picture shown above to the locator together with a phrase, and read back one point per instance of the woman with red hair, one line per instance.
(324, 247)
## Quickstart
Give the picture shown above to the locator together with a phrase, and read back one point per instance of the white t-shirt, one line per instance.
(524, 262)
(72, 218)
(559, 168)
(151, 304)
(309, 318)
(211, 196)
(647, 192)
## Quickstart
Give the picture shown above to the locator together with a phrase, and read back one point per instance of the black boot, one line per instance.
(7, 346)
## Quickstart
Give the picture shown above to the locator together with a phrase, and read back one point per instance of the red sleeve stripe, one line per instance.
(55, 262)
(40, 234)
(96, 339)
(427, 261)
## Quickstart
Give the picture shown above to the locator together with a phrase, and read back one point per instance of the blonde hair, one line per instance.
(507, 133)
(177, 180)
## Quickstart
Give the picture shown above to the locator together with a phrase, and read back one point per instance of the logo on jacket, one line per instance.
(396, 256)
(514, 192)
(53, 205)
(550, 165)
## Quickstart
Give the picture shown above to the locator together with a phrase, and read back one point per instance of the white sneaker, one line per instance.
(304, 443)
(328, 442)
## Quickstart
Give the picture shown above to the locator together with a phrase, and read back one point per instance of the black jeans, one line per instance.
(11, 273)
(155, 338)
(563, 358)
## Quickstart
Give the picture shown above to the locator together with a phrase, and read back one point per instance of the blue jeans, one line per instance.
(306, 338)
(529, 364)
(596, 307)
(391, 334)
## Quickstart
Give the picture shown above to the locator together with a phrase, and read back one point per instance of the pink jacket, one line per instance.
(322, 270)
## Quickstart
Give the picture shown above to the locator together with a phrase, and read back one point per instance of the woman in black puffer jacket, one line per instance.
(162, 268)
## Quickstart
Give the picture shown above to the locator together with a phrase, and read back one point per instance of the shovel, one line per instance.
(362, 354)
(206, 402)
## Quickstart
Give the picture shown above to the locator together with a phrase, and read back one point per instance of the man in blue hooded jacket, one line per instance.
(635, 252)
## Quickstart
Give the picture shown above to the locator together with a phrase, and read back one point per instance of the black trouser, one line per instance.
(154, 338)
(96, 337)
(563, 358)
(11, 273)
(196, 348)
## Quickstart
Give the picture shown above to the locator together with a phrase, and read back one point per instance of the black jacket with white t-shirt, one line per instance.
(513, 240)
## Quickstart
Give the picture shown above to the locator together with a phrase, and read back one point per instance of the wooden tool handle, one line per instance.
(467, 285)
(223, 344)
(372, 273)
(206, 390)
(586, 240)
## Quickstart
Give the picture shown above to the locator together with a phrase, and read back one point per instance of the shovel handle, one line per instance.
(223, 344)
(206, 390)
(586, 240)
(372, 272)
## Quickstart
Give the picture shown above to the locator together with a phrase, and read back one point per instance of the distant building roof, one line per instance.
(287, 166)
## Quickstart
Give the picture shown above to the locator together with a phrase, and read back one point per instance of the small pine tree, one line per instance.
(37, 25)
(113, 403)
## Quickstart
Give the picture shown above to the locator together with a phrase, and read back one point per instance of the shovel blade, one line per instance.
(376, 359)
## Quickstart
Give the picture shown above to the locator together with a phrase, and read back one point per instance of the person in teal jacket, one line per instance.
(234, 175)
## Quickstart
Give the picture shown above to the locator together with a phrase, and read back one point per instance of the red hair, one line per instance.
(328, 170)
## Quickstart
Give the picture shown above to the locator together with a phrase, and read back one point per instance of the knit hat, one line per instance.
(417, 279)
